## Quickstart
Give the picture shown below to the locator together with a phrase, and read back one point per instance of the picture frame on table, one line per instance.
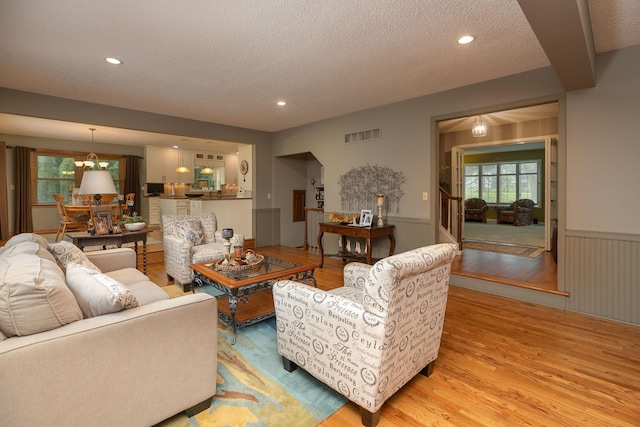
(366, 218)
(203, 183)
(101, 225)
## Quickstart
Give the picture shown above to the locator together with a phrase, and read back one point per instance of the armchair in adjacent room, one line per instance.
(370, 337)
(475, 209)
(517, 213)
(189, 239)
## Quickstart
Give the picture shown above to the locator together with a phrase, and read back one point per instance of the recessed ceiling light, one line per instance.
(114, 61)
(465, 39)
(281, 103)
(175, 146)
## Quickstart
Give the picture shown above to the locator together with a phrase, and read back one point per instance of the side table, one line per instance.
(368, 233)
(83, 239)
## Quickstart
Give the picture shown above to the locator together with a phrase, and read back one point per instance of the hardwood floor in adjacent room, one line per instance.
(504, 362)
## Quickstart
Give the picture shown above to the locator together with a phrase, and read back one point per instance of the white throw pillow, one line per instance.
(66, 252)
(33, 296)
(97, 293)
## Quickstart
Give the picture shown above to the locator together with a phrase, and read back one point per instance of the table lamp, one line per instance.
(97, 182)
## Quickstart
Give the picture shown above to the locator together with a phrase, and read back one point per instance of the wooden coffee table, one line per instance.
(251, 287)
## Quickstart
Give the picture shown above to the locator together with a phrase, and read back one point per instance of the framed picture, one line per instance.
(203, 183)
(101, 225)
(366, 218)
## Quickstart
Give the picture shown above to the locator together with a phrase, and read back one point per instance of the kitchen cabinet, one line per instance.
(162, 163)
(154, 211)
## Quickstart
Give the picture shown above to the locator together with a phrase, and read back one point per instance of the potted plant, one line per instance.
(133, 222)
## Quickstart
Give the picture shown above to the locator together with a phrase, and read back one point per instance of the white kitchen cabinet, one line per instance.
(162, 163)
(154, 211)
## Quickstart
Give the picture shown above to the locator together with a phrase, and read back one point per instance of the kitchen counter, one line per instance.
(205, 198)
(231, 211)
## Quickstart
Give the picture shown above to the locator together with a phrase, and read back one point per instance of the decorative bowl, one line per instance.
(194, 195)
(258, 260)
(134, 226)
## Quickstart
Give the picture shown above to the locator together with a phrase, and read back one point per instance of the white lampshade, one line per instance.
(97, 182)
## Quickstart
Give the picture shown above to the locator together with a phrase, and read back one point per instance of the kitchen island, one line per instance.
(231, 212)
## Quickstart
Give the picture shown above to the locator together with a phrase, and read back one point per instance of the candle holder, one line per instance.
(380, 205)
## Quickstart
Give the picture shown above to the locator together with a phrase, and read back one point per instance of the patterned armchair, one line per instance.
(475, 209)
(188, 239)
(517, 213)
(370, 337)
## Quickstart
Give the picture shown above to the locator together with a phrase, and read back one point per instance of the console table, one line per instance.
(83, 238)
(345, 230)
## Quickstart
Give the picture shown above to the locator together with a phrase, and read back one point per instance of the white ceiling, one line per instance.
(229, 61)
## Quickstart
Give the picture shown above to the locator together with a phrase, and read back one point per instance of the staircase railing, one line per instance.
(312, 218)
(451, 215)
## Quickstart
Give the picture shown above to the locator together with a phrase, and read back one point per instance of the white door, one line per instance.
(457, 188)
(551, 188)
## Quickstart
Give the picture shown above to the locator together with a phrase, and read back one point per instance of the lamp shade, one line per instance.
(97, 182)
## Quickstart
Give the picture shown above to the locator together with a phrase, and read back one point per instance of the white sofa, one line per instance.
(189, 239)
(133, 367)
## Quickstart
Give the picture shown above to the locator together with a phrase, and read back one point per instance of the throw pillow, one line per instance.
(27, 247)
(190, 229)
(96, 293)
(66, 252)
(33, 296)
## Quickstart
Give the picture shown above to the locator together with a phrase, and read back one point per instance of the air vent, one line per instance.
(362, 136)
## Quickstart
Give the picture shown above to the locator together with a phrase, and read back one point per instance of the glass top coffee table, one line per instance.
(252, 287)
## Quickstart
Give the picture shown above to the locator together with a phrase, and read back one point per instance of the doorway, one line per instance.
(519, 135)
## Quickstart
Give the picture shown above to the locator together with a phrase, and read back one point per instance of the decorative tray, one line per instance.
(259, 259)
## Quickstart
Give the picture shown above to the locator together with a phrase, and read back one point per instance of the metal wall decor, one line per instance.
(359, 188)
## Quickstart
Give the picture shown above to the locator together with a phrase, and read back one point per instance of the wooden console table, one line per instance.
(345, 230)
(82, 239)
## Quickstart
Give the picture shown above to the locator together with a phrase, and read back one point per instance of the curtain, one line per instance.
(4, 203)
(132, 179)
(24, 218)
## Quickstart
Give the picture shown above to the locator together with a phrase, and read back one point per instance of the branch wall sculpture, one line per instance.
(359, 188)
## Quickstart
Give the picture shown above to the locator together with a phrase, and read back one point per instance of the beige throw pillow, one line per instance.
(33, 296)
(96, 293)
(66, 252)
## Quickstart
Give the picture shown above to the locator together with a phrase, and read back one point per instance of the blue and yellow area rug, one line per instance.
(253, 388)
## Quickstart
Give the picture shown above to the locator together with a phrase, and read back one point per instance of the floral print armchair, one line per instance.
(371, 336)
(517, 213)
(475, 209)
(188, 239)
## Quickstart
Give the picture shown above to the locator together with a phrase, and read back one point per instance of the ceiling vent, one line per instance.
(362, 136)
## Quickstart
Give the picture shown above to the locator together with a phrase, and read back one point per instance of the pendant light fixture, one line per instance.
(182, 169)
(207, 170)
(479, 127)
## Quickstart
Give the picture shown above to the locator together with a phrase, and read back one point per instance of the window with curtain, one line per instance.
(503, 183)
(54, 172)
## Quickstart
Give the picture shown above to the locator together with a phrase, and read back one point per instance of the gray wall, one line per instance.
(598, 156)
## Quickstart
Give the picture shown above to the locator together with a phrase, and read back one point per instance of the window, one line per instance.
(54, 172)
(503, 183)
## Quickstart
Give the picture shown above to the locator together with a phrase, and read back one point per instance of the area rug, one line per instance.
(524, 251)
(253, 389)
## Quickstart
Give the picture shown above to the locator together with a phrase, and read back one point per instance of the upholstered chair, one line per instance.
(370, 337)
(189, 239)
(475, 209)
(517, 213)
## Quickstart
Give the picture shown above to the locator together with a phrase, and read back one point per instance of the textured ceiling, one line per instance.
(229, 61)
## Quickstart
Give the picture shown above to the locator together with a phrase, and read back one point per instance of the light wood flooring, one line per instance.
(504, 362)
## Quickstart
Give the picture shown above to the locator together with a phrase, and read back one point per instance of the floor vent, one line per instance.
(362, 136)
